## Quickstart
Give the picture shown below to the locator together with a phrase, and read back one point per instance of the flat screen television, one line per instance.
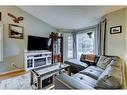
(38, 43)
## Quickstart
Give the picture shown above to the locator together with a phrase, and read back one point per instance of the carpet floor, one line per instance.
(22, 82)
(19, 82)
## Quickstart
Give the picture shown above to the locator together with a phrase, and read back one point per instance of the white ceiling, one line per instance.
(70, 17)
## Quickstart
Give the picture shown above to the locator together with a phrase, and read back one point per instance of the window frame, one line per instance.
(94, 29)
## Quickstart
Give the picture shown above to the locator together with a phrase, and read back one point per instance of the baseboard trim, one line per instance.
(11, 72)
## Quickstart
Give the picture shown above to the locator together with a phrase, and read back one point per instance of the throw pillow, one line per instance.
(82, 58)
(90, 58)
(103, 62)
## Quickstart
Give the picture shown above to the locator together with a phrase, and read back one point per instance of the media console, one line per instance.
(35, 59)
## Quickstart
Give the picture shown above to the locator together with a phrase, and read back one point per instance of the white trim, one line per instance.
(12, 71)
(87, 30)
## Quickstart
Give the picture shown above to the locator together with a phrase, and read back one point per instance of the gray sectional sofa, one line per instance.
(104, 73)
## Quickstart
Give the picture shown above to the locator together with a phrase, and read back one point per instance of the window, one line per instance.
(70, 46)
(85, 43)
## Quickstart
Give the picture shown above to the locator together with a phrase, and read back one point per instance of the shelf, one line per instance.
(57, 49)
(51, 86)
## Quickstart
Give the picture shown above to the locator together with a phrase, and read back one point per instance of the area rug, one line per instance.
(20, 82)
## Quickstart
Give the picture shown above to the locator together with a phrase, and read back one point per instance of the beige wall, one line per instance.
(126, 45)
(116, 43)
(14, 48)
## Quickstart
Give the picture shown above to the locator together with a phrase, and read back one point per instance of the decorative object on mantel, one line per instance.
(116, 29)
(16, 19)
(0, 16)
(16, 31)
(53, 34)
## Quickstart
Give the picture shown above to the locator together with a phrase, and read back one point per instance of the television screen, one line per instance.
(38, 43)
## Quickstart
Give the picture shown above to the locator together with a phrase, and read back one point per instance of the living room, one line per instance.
(74, 34)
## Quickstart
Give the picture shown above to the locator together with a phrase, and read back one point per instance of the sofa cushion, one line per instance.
(96, 68)
(103, 62)
(92, 71)
(110, 78)
(76, 65)
(72, 82)
(84, 79)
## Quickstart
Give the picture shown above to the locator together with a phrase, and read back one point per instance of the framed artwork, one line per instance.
(115, 29)
(0, 16)
(16, 31)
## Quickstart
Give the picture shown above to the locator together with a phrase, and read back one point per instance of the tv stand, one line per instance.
(36, 59)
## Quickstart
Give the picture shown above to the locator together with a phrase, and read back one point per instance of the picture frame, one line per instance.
(0, 16)
(16, 31)
(116, 29)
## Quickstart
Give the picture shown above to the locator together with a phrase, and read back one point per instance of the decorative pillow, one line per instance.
(82, 58)
(103, 62)
(90, 58)
(116, 63)
(111, 78)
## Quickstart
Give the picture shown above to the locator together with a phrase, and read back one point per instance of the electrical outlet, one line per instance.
(13, 64)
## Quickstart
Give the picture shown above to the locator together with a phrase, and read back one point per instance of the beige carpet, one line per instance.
(19, 82)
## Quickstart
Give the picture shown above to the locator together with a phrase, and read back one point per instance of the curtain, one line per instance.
(101, 38)
(65, 45)
(97, 40)
(74, 45)
(1, 42)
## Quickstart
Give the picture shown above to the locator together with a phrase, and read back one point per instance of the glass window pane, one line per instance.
(70, 46)
(85, 43)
